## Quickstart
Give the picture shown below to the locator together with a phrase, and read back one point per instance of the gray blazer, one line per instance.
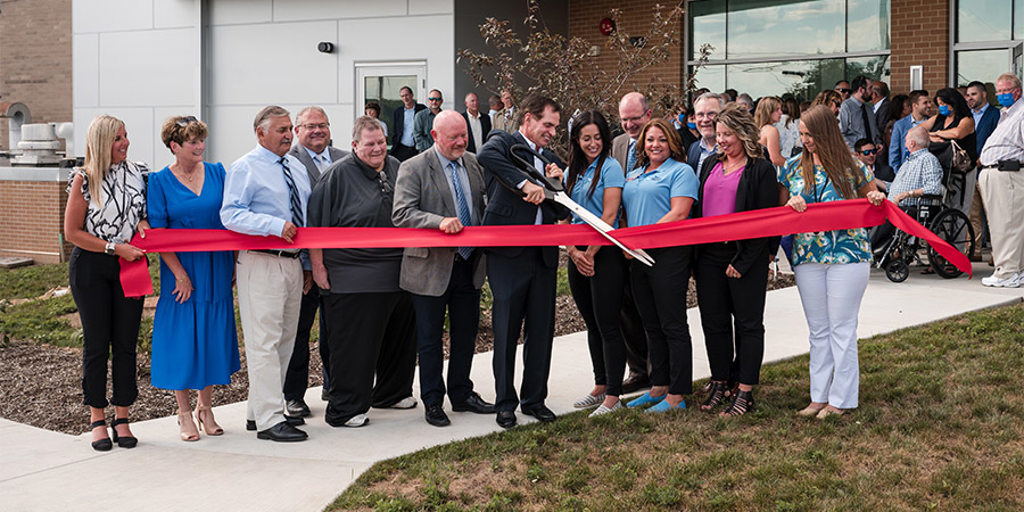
(620, 145)
(314, 174)
(422, 200)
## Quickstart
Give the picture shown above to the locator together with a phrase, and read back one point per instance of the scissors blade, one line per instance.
(600, 226)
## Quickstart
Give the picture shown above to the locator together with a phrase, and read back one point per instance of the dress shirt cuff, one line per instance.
(521, 184)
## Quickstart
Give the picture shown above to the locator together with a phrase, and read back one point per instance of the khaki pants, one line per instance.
(1003, 195)
(976, 215)
(269, 296)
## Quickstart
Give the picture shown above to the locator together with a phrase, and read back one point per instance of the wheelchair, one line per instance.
(933, 212)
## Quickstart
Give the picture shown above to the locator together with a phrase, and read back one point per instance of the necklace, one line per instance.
(189, 177)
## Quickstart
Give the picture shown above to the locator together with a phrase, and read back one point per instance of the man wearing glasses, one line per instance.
(705, 112)
(867, 152)
(425, 121)
(843, 88)
(313, 150)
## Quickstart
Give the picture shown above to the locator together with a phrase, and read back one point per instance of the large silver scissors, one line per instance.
(555, 191)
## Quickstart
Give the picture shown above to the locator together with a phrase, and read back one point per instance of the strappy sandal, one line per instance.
(187, 428)
(204, 416)
(717, 393)
(742, 403)
(102, 445)
(122, 441)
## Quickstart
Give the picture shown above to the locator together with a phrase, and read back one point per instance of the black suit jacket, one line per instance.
(757, 189)
(398, 122)
(505, 204)
(485, 128)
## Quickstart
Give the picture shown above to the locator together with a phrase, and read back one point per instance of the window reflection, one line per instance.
(769, 28)
(867, 25)
(875, 68)
(803, 79)
(707, 25)
(983, 20)
(711, 77)
(981, 65)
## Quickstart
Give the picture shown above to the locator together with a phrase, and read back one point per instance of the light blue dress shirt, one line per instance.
(611, 177)
(407, 127)
(256, 197)
(463, 181)
(648, 196)
(324, 155)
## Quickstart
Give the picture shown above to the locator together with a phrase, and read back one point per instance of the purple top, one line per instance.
(720, 191)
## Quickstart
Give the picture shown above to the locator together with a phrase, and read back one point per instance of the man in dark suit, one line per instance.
(443, 188)
(522, 278)
(881, 111)
(477, 125)
(313, 132)
(403, 142)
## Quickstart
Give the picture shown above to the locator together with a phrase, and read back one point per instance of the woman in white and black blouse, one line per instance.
(106, 207)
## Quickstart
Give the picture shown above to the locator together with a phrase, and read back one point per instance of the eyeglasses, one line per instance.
(633, 119)
(434, 99)
(185, 121)
(867, 152)
(314, 126)
(844, 90)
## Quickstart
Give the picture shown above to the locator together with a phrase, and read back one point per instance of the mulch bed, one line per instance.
(42, 383)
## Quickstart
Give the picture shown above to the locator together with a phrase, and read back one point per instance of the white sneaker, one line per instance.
(405, 403)
(1013, 281)
(605, 410)
(359, 420)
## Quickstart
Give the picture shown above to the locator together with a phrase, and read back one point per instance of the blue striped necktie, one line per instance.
(293, 195)
(631, 155)
(461, 207)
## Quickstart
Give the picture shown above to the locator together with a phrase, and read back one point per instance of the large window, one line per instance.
(798, 47)
(988, 37)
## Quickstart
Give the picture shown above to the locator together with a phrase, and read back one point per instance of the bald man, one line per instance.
(443, 188)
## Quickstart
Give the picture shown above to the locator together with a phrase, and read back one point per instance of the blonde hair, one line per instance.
(737, 119)
(99, 139)
(835, 157)
(765, 108)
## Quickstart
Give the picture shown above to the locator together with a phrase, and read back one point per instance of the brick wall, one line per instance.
(32, 220)
(920, 37)
(35, 59)
(584, 20)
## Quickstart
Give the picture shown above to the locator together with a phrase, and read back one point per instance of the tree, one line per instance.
(562, 67)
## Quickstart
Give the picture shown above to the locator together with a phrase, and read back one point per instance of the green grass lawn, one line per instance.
(940, 427)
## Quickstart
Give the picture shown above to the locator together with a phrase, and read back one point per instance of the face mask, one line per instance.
(944, 110)
(1005, 99)
(682, 118)
(692, 126)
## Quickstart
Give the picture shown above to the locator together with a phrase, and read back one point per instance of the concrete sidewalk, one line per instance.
(43, 470)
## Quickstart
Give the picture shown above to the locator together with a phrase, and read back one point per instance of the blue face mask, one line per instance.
(692, 126)
(1005, 99)
(944, 110)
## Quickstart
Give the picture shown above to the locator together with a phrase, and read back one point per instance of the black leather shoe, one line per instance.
(635, 383)
(540, 412)
(296, 408)
(474, 404)
(324, 395)
(282, 433)
(506, 419)
(294, 420)
(250, 425)
(436, 416)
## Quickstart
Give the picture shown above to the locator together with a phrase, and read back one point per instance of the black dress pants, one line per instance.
(374, 333)
(403, 153)
(633, 333)
(731, 314)
(660, 293)
(296, 378)
(524, 295)
(599, 300)
(110, 326)
(462, 302)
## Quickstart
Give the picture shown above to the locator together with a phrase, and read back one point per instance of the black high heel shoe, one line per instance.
(103, 445)
(742, 403)
(122, 441)
(717, 393)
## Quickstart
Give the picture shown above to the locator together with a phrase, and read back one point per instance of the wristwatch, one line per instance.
(110, 248)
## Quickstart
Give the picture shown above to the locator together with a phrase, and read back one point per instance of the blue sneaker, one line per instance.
(646, 399)
(664, 406)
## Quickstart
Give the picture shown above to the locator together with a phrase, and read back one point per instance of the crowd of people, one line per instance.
(382, 310)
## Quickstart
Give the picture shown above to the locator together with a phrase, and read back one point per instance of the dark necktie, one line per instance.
(293, 195)
(867, 121)
(461, 207)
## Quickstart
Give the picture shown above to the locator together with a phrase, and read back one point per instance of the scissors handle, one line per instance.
(552, 184)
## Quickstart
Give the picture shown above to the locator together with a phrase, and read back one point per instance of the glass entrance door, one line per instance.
(381, 82)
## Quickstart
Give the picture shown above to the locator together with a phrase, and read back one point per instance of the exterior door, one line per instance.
(381, 82)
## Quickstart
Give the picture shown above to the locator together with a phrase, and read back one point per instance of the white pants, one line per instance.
(1002, 192)
(269, 295)
(831, 296)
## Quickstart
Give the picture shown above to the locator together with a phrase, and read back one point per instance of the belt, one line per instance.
(1005, 165)
(278, 252)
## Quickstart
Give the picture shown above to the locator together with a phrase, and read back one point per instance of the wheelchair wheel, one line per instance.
(897, 270)
(955, 228)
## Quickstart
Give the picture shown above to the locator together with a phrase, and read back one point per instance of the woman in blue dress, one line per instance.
(597, 275)
(194, 340)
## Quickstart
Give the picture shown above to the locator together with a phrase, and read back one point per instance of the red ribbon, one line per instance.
(849, 214)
